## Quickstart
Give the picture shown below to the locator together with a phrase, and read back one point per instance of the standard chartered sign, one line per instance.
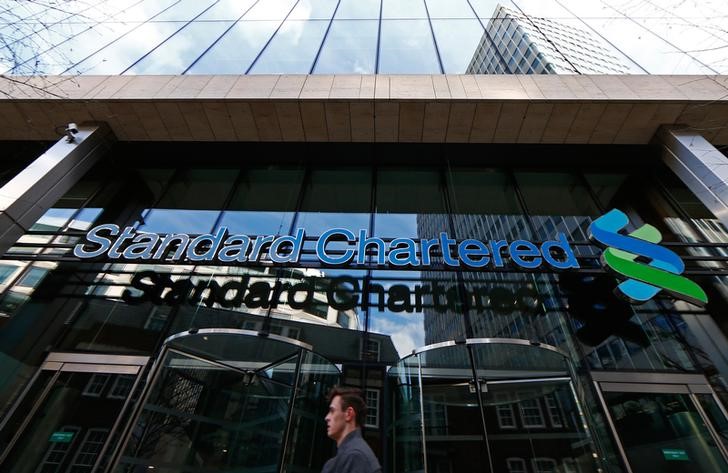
(336, 246)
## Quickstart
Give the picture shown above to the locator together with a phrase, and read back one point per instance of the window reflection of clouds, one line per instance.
(179, 51)
(184, 10)
(270, 10)
(292, 49)
(313, 10)
(226, 10)
(486, 8)
(407, 47)
(120, 54)
(449, 9)
(397, 9)
(457, 41)
(237, 49)
(350, 47)
(358, 9)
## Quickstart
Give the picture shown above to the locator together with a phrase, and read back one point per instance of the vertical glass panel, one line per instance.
(350, 48)
(292, 49)
(184, 10)
(227, 10)
(557, 202)
(61, 58)
(404, 379)
(145, 10)
(652, 53)
(715, 414)
(25, 55)
(119, 55)
(407, 47)
(237, 49)
(270, 10)
(264, 201)
(663, 432)
(486, 8)
(313, 10)
(542, 8)
(358, 9)
(398, 9)
(178, 52)
(192, 202)
(449, 9)
(336, 198)
(457, 42)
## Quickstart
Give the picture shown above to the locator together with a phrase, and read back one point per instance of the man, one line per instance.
(343, 424)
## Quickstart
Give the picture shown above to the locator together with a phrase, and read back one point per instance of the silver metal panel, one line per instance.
(87, 368)
(241, 332)
(92, 358)
(700, 389)
(633, 377)
(644, 388)
(702, 168)
(51, 366)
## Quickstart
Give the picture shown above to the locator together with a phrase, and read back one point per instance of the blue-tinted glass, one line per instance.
(543, 8)
(143, 11)
(184, 10)
(313, 10)
(449, 9)
(358, 9)
(350, 47)
(119, 55)
(179, 51)
(270, 10)
(486, 8)
(403, 9)
(407, 48)
(237, 49)
(27, 54)
(227, 10)
(292, 49)
(457, 41)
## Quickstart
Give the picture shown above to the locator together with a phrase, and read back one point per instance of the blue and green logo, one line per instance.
(642, 280)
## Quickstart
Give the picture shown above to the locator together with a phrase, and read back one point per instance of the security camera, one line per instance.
(71, 131)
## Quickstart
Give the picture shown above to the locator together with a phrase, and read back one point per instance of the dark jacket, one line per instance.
(353, 456)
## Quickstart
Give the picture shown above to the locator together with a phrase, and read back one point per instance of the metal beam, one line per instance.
(702, 168)
(34, 190)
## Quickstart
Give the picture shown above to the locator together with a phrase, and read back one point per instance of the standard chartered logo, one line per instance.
(644, 280)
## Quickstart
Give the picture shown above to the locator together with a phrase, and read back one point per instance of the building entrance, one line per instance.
(232, 400)
(489, 405)
(673, 424)
(64, 420)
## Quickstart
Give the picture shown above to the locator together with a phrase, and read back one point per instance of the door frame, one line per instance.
(657, 383)
(63, 362)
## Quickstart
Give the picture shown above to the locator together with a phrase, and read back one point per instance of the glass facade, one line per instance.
(224, 366)
(363, 37)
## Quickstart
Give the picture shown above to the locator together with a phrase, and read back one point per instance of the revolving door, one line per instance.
(232, 400)
(488, 405)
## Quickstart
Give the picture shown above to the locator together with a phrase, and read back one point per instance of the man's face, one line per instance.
(336, 419)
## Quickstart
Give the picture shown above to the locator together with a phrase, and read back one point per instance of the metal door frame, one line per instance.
(62, 362)
(657, 383)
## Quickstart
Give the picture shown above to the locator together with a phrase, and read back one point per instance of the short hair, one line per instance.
(350, 397)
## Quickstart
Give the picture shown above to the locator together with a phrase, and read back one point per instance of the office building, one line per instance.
(214, 211)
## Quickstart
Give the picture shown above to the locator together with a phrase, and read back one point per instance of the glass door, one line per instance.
(68, 413)
(488, 405)
(671, 428)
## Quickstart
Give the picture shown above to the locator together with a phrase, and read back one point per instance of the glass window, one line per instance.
(184, 10)
(119, 55)
(5, 271)
(264, 201)
(313, 10)
(397, 9)
(506, 417)
(486, 8)
(33, 277)
(531, 414)
(449, 9)
(227, 10)
(270, 10)
(516, 465)
(358, 9)
(372, 403)
(350, 47)
(237, 49)
(457, 42)
(407, 48)
(178, 52)
(292, 49)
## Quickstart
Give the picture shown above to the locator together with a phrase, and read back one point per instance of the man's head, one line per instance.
(346, 412)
